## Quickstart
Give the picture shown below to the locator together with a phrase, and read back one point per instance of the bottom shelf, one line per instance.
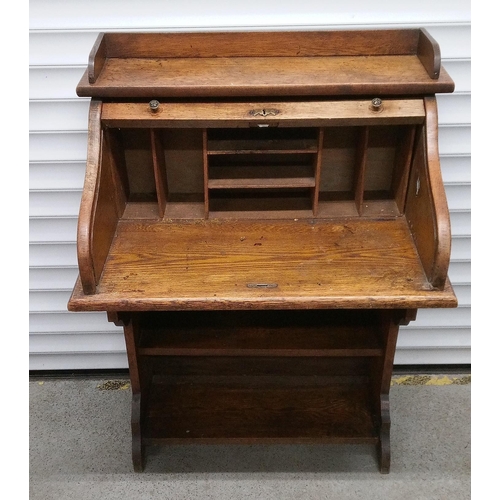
(246, 409)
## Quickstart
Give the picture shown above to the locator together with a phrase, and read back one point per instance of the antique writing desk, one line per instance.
(261, 211)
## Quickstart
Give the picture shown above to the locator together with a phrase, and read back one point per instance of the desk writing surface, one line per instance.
(224, 264)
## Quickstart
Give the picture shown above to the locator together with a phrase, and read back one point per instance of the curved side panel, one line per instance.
(97, 58)
(443, 226)
(429, 53)
(426, 208)
(99, 208)
(88, 202)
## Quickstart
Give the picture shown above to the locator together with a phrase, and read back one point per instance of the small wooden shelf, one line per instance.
(259, 158)
(364, 62)
(282, 182)
(262, 146)
(248, 409)
(261, 333)
(262, 151)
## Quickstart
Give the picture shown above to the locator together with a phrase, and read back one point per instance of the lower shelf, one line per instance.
(299, 333)
(246, 409)
(261, 376)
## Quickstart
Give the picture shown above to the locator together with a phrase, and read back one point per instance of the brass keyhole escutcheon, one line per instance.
(262, 285)
(264, 112)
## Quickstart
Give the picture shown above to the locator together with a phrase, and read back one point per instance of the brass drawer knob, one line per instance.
(154, 105)
(376, 104)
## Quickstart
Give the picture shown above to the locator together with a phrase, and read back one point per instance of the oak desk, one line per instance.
(261, 211)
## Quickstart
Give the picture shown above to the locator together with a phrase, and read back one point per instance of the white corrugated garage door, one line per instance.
(61, 37)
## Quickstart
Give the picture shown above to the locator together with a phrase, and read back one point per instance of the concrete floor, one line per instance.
(80, 448)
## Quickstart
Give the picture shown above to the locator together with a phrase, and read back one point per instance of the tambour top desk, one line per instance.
(260, 212)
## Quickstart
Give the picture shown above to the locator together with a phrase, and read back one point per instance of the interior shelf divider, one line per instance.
(317, 171)
(360, 167)
(402, 168)
(205, 173)
(159, 171)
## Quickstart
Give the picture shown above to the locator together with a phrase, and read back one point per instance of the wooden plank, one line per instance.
(107, 209)
(97, 58)
(285, 150)
(280, 203)
(291, 182)
(261, 333)
(380, 208)
(426, 205)
(207, 264)
(201, 350)
(266, 368)
(160, 171)
(237, 114)
(402, 166)
(429, 53)
(272, 44)
(141, 210)
(360, 167)
(86, 213)
(114, 150)
(243, 409)
(290, 213)
(99, 206)
(442, 234)
(259, 169)
(317, 172)
(293, 76)
(206, 193)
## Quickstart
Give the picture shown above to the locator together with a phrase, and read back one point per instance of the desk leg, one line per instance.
(391, 327)
(138, 383)
(391, 320)
(384, 444)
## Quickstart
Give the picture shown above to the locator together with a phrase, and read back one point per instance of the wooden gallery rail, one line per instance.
(261, 212)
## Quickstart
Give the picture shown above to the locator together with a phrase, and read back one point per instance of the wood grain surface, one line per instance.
(265, 63)
(262, 76)
(242, 408)
(314, 264)
(237, 114)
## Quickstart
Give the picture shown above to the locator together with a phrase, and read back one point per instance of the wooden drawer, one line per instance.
(253, 114)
